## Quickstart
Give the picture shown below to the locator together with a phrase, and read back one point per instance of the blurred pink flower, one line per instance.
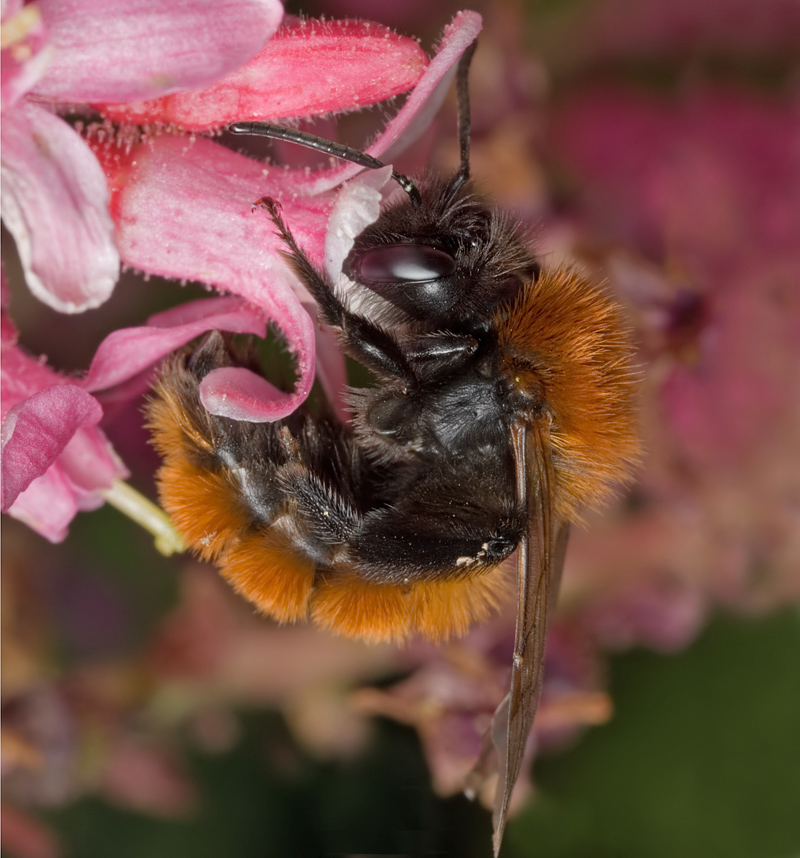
(55, 199)
(710, 187)
(147, 777)
(214, 639)
(452, 694)
(682, 28)
(24, 836)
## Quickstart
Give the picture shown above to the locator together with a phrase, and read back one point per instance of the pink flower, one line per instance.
(55, 199)
(710, 187)
(453, 692)
(55, 460)
(184, 210)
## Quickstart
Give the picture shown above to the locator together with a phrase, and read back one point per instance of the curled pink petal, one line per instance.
(37, 430)
(55, 204)
(135, 49)
(357, 206)
(239, 394)
(125, 353)
(421, 106)
(308, 68)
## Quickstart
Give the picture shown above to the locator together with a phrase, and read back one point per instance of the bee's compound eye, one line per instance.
(403, 263)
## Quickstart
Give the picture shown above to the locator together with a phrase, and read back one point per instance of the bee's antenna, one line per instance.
(464, 121)
(338, 150)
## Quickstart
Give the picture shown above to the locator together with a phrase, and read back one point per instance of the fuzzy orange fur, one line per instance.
(446, 608)
(345, 603)
(567, 341)
(265, 569)
(438, 610)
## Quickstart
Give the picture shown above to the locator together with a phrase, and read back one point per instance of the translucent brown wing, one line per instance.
(540, 558)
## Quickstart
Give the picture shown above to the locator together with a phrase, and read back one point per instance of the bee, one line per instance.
(503, 405)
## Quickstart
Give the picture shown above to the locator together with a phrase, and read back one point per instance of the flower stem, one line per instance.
(144, 512)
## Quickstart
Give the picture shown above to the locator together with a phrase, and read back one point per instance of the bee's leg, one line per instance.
(328, 518)
(440, 355)
(365, 342)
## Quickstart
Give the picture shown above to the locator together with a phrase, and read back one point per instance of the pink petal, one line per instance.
(125, 353)
(47, 506)
(55, 204)
(185, 211)
(331, 370)
(25, 54)
(308, 68)
(36, 431)
(358, 204)
(234, 311)
(239, 394)
(55, 460)
(421, 106)
(135, 49)
(90, 465)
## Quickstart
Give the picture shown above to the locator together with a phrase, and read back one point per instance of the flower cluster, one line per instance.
(179, 207)
(112, 155)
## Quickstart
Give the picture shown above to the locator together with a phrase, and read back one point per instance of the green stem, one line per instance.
(144, 512)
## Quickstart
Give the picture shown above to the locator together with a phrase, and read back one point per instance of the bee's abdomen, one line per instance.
(275, 507)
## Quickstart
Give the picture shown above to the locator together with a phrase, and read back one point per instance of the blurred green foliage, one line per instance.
(700, 759)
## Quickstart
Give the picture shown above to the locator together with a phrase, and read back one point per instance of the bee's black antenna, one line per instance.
(338, 150)
(464, 121)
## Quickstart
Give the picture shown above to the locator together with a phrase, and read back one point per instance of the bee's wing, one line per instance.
(540, 558)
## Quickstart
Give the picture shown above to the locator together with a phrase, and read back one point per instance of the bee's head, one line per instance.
(447, 260)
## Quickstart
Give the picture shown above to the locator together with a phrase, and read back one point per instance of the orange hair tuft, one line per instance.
(265, 569)
(567, 341)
